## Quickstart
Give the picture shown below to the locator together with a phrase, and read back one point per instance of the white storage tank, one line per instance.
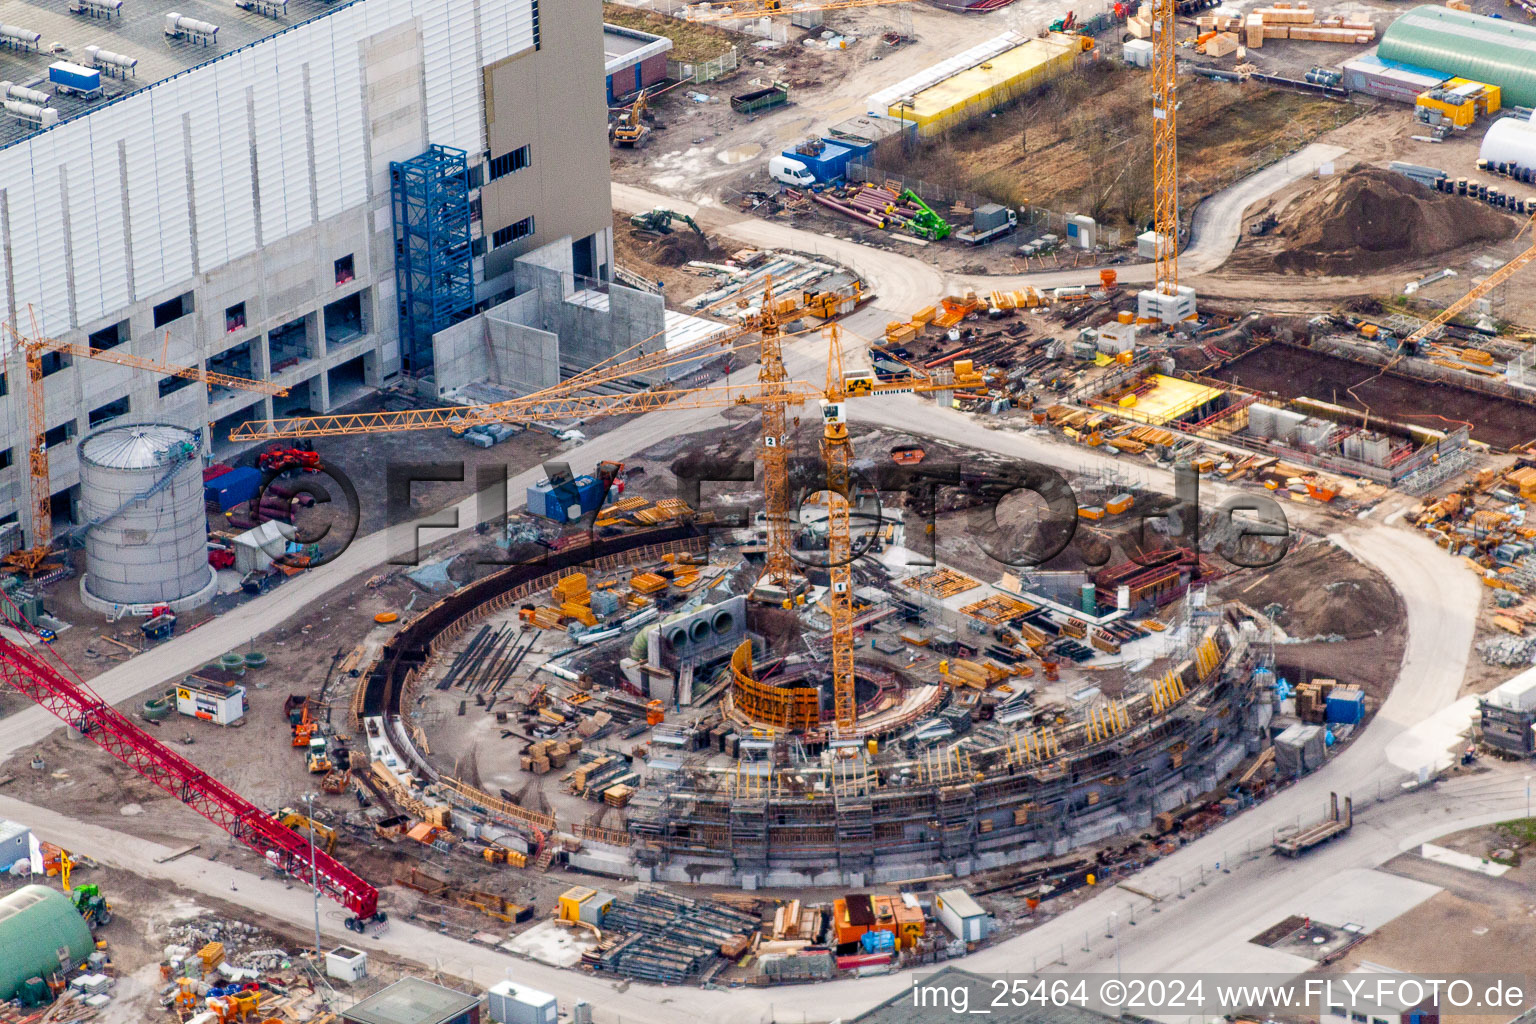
(141, 498)
(1510, 140)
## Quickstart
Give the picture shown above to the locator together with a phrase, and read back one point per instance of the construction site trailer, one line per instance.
(213, 702)
(961, 915)
(511, 1003)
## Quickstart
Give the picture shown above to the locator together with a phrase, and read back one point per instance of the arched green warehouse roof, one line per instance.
(1491, 50)
(39, 929)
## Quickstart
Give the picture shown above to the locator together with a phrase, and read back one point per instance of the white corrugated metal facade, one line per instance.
(291, 105)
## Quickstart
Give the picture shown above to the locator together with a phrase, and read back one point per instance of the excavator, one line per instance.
(659, 221)
(298, 821)
(630, 130)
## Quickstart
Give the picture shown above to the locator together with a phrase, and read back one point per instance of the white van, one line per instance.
(790, 172)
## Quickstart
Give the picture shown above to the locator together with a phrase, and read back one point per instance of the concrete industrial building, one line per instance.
(234, 196)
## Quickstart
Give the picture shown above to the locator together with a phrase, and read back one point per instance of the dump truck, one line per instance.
(1304, 839)
(775, 95)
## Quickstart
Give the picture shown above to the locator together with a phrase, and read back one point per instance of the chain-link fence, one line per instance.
(704, 70)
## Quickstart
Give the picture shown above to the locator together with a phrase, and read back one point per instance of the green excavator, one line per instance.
(88, 900)
(659, 221)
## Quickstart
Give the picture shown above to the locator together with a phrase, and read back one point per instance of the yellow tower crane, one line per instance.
(34, 559)
(1165, 168)
(773, 394)
(837, 453)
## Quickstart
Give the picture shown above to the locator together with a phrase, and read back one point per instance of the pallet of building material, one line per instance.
(545, 618)
(632, 503)
(618, 796)
(997, 610)
(941, 583)
(1332, 35)
(1281, 15)
(1221, 44)
(573, 589)
(1254, 32)
(648, 582)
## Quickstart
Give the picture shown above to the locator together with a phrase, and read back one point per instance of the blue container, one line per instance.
(830, 164)
(74, 76)
(877, 942)
(589, 491)
(561, 503)
(1346, 708)
(233, 488)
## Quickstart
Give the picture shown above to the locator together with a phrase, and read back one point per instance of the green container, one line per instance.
(255, 659)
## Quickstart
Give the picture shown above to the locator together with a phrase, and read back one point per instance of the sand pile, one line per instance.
(1371, 219)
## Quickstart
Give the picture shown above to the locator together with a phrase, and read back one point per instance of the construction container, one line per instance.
(827, 160)
(70, 77)
(560, 502)
(1390, 79)
(15, 843)
(580, 903)
(346, 964)
(1137, 53)
(511, 1003)
(235, 487)
(212, 702)
(961, 915)
(1346, 707)
(1118, 504)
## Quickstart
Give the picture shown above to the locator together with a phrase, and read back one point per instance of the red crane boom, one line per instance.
(81, 708)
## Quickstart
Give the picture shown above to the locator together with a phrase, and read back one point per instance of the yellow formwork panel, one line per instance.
(990, 84)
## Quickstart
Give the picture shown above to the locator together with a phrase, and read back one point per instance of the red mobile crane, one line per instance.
(81, 708)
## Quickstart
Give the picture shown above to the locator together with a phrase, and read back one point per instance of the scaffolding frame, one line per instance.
(434, 250)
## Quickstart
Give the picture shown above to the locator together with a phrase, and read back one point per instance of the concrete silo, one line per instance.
(141, 497)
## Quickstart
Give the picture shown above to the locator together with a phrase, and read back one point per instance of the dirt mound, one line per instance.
(1370, 219)
(1318, 590)
(678, 248)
